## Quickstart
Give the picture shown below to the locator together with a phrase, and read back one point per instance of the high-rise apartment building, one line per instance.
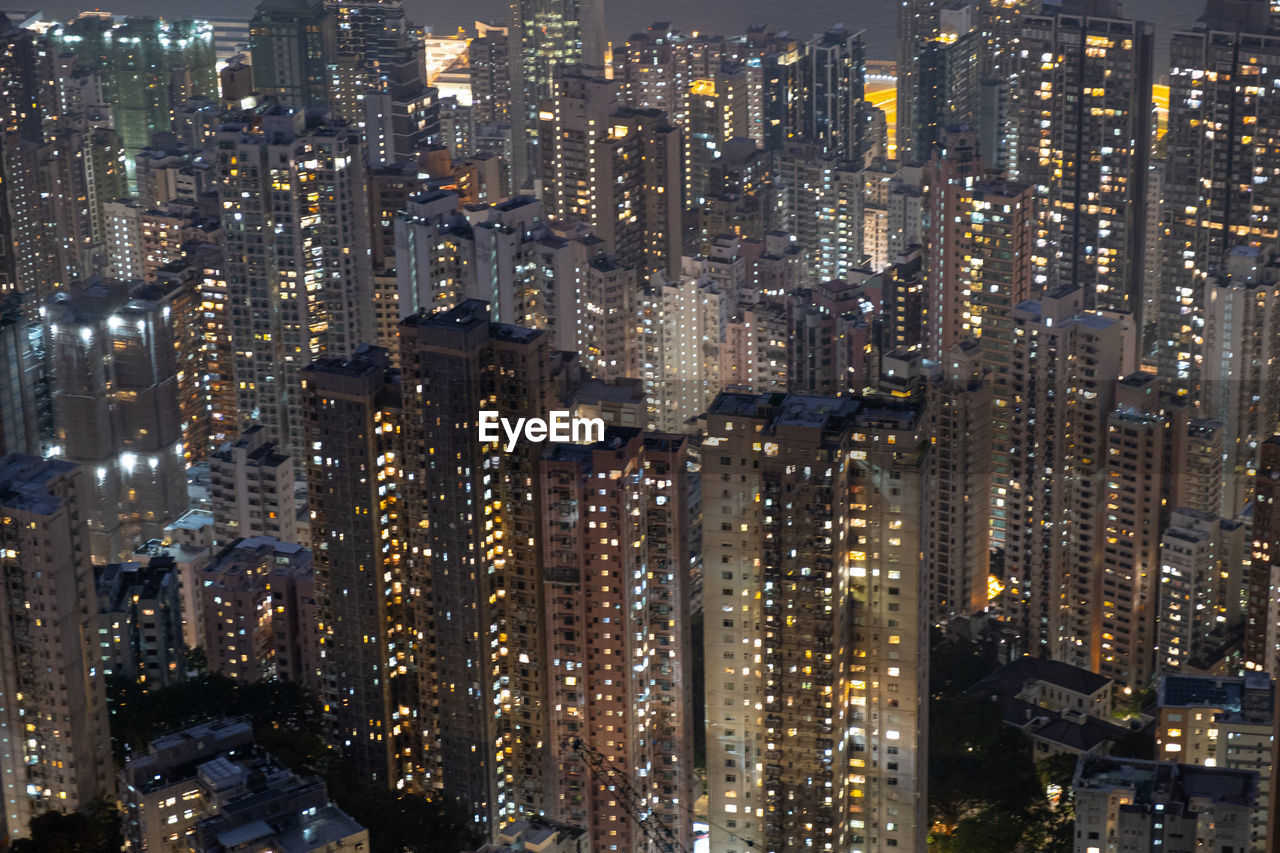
(26, 419)
(1084, 119)
(546, 39)
(291, 43)
(1181, 806)
(616, 550)
(947, 178)
(1066, 364)
(917, 25)
(1128, 581)
(1262, 621)
(1216, 191)
(945, 71)
(821, 202)
(20, 121)
(472, 518)
(58, 750)
(681, 327)
(1191, 594)
(615, 168)
(116, 409)
(1240, 374)
(147, 67)
(377, 81)
(980, 264)
(299, 279)
(717, 113)
(957, 553)
(138, 625)
(490, 75)
(815, 612)
(355, 448)
(833, 113)
(830, 335)
(1221, 722)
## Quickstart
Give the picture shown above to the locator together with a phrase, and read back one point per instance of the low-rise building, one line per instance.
(161, 790)
(1050, 685)
(210, 789)
(1221, 722)
(536, 835)
(1134, 806)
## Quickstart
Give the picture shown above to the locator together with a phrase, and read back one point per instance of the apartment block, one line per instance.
(1148, 805)
(259, 612)
(251, 490)
(58, 749)
(1066, 367)
(162, 791)
(615, 168)
(1239, 379)
(116, 407)
(307, 289)
(471, 521)
(957, 550)
(1089, 164)
(616, 546)
(139, 622)
(802, 609)
(1221, 722)
(367, 628)
(681, 328)
(1212, 201)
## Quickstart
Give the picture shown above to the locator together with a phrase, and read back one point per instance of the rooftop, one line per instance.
(1013, 676)
(1160, 782)
(25, 483)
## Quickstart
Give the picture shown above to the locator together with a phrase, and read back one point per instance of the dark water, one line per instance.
(877, 17)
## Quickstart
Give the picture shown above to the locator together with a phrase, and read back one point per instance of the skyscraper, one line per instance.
(1065, 368)
(58, 749)
(547, 37)
(368, 673)
(299, 276)
(1262, 622)
(25, 416)
(148, 67)
(957, 554)
(981, 265)
(292, 42)
(20, 121)
(1218, 191)
(815, 675)
(616, 545)
(917, 24)
(1084, 118)
(1240, 385)
(833, 113)
(614, 168)
(471, 517)
(115, 405)
(946, 70)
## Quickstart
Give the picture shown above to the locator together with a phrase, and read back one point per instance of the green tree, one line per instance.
(77, 832)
